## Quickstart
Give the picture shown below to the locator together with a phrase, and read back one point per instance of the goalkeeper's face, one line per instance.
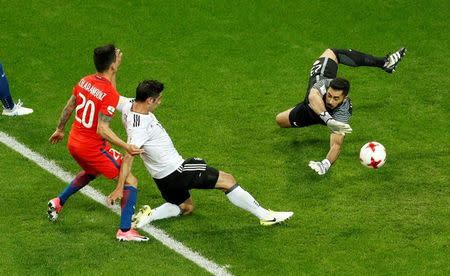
(334, 98)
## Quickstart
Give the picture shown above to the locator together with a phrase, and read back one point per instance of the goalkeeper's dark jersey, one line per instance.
(323, 71)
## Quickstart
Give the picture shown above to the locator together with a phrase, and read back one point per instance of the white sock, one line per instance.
(242, 199)
(167, 210)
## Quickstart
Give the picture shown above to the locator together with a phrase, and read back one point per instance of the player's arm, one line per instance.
(58, 135)
(321, 167)
(116, 65)
(318, 106)
(316, 102)
(336, 141)
(125, 169)
(107, 133)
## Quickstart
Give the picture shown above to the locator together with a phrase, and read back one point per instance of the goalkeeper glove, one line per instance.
(320, 167)
(335, 126)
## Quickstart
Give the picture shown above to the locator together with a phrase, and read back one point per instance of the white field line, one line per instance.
(92, 193)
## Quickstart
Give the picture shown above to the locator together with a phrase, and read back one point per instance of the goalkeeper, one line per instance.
(327, 102)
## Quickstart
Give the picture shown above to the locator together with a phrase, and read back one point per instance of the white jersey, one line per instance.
(144, 131)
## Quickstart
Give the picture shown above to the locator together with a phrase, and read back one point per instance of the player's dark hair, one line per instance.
(147, 89)
(104, 56)
(340, 84)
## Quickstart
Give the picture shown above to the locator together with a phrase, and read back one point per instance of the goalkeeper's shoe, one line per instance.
(17, 110)
(142, 217)
(393, 59)
(276, 218)
(130, 235)
(54, 208)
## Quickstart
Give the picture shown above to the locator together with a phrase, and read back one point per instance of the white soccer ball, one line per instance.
(372, 155)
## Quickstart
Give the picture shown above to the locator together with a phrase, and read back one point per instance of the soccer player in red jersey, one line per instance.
(94, 101)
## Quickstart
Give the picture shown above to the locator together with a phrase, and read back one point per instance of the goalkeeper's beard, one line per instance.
(329, 106)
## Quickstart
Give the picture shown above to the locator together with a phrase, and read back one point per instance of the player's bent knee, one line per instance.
(187, 206)
(279, 119)
(329, 53)
(229, 179)
(282, 119)
(225, 181)
(186, 209)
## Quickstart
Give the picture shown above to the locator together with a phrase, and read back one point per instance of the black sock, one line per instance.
(354, 58)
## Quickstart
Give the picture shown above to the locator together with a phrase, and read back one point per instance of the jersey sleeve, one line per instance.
(123, 102)
(109, 104)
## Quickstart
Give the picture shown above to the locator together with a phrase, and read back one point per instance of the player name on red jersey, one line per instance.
(94, 91)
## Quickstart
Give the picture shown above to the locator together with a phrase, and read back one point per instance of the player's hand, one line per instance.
(320, 168)
(133, 150)
(57, 136)
(339, 127)
(115, 195)
(118, 57)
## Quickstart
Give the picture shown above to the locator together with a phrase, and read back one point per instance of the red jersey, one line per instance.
(94, 95)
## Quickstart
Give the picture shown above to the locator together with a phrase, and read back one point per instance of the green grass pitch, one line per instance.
(229, 67)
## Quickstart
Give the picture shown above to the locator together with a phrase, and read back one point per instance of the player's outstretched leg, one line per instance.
(276, 218)
(355, 58)
(146, 215)
(54, 208)
(56, 204)
(393, 59)
(243, 199)
(141, 218)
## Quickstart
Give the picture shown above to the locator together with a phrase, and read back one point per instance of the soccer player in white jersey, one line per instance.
(326, 101)
(174, 175)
